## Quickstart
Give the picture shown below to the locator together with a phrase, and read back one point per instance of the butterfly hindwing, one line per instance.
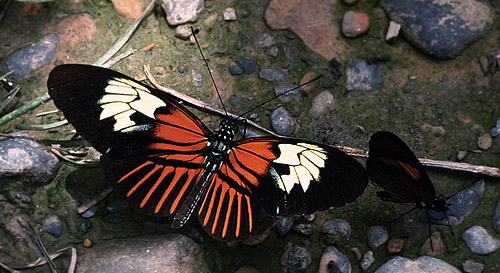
(394, 167)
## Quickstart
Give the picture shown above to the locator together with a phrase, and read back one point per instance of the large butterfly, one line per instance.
(166, 162)
(394, 167)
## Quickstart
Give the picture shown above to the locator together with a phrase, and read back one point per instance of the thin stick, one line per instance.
(94, 200)
(120, 57)
(32, 104)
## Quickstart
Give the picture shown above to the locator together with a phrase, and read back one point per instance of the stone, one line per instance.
(23, 158)
(496, 217)
(355, 24)
(367, 260)
(237, 101)
(306, 78)
(441, 28)
(229, 14)
(392, 31)
(422, 264)
(321, 103)
(295, 258)
(235, 70)
(247, 65)
(183, 32)
(460, 204)
(395, 245)
(182, 11)
(131, 9)
(160, 253)
(279, 90)
(197, 79)
(484, 142)
(282, 121)
(338, 226)
(305, 229)
(52, 224)
(321, 32)
(471, 266)
(340, 261)
(438, 246)
(496, 131)
(272, 75)
(377, 235)
(362, 76)
(283, 225)
(264, 41)
(26, 60)
(480, 241)
(289, 58)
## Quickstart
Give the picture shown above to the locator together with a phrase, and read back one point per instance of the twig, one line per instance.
(49, 126)
(94, 200)
(32, 104)
(118, 58)
(88, 164)
(34, 236)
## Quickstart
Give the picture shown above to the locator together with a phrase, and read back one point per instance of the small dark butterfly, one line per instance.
(395, 168)
(166, 162)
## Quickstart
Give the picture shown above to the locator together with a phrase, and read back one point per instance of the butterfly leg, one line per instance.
(429, 227)
(448, 223)
(399, 217)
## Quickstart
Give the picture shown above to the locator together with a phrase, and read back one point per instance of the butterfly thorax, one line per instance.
(220, 145)
(438, 204)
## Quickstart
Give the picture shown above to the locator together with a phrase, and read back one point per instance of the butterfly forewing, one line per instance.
(394, 167)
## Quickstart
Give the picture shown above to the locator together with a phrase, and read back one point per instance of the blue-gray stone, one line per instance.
(289, 58)
(377, 235)
(441, 28)
(480, 241)
(53, 225)
(338, 226)
(23, 197)
(367, 260)
(304, 228)
(282, 122)
(273, 51)
(116, 207)
(272, 75)
(197, 79)
(247, 65)
(90, 212)
(496, 131)
(235, 70)
(496, 217)
(278, 90)
(283, 225)
(295, 258)
(334, 260)
(460, 204)
(362, 76)
(30, 58)
(400, 264)
(471, 266)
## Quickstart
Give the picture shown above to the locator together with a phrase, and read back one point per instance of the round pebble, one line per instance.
(235, 70)
(283, 225)
(282, 121)
(438, 245)
(395, 245)
(90, 212)
(338, 226)
(330, 254)
(367, 260)
(377, 235)
(272, 75)
(484, 142)
(422, 264)
(295, 258)
(229, 14)
(306, 229)
(471, 266)
(52, 224)
(247, 65)
(183, 32)
(87, 242)
(355, 24)
(321, 103)
(273, 51)
(480, 241)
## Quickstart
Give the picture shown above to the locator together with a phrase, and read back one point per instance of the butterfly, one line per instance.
(166, 162)
(394, 167)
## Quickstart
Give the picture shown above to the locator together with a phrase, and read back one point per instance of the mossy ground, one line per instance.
(419, 93)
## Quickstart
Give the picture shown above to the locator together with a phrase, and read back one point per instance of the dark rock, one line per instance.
(84, 226)
(181, 69)
(283, 225)
(52, 224)
(480, 241)
(30, 58)
(295, 258)
(306, 229)
(90, 212)
(115, 220)
(289, 58)
(496, 131)
(116, 207)
(161, 253)
(338, 226)
(395, 245)
(23, 197)
(440, 27)
(278, 90)
(460, 205)
(272, 75)
(282, 122)
(340, 261)
(471, 266)
(23, 158)
(496, 217)
(197, 79)
(247, 65)
(362, 76)
(377, 235)
(235, 70)
(400, 264)
(367, 260)
(182, 11)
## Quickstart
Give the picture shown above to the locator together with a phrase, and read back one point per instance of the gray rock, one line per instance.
(460, 205)
(183, 32)
(441, 28)
(295, 258)
(197, 79)
(273, 51)
(272, 75)
(367, 260)
(229, 14)
(306, 229)
(22, 243)
(283, 225)
(480, 241)
(235, 70)
(182, 11)
(265, 40)
(471, 266)
(30, 58)
(424, 264)
(377, 235)
(23, 158)
(247, 65)
(340, 261)
(52, 224)
(23, 197)
(338, 226)
(278, 90)
(496, 131)
(282, 122)
(321, 103)
(362, 76)
(496, 217)
(289, 58)
(162, 253)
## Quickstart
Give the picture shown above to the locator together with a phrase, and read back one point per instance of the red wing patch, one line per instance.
(412, 171)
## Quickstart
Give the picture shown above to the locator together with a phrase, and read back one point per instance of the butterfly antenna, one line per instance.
(282, 94)
(208, 68)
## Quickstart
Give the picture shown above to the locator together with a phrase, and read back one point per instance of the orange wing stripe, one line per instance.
(146, 177)
(191, 174)
(250, 221)
(413, 172)
(134, 170)
(167, 192)
(211, 204)
(238, 219)
(165, 172)
(228, 212)
(225, 187)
